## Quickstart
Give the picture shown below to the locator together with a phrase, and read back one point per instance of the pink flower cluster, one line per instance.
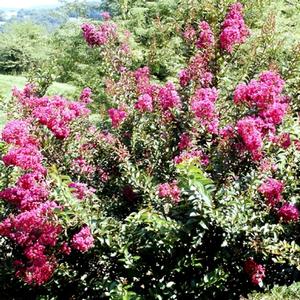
(168, 97)
(197, 71)
(206, 37)
(144, 103)
(55, 113)
(288, 213)
(80, 190)
(105, 15)
(265, 96)
(142, 77)
(169, 190)
(81, 166)
(34, 228)
(17, 132)
(255, 271)
(85, 96)
(83, 240)
(189, 33)
(99, 36)
(27, 158)
(185, 141)
(271, 189)
(234, 30)
(203, 106)
(35, 232)
(249, 128)
(30, 191)
(117, 116)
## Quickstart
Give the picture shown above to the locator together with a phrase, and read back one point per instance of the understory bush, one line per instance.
(184, 189)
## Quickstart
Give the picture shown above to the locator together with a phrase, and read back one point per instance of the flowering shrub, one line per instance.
(186, 188)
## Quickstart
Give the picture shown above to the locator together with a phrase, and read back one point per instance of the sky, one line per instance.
(25, 3)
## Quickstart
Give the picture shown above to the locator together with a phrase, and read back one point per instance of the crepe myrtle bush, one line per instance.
(185, 189)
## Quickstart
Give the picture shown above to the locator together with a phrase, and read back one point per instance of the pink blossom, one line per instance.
(85, 95)
(288, 213)
(206, 79)
(284, 140)
(16, 132)
(27, 158)
(168, 97)
(80, 190)
(189, 33)
(28, 193)
(117, 116)
(234, 30)
(99, 36)
(275, 113)
(58, 113)
(169, 190)
(184, 77)
(185, 141)
(206, 37)
(32, 226)
(249, 129)
(81, 166)
(83, 240)
(271, 189)
(65, 248)
(105, 15)
(37, 271)
(144, 103)
(203, 106)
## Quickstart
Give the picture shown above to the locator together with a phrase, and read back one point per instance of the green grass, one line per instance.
(7, 82)
(291, 292)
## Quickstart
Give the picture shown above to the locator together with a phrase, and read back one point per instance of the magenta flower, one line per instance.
(83, 240)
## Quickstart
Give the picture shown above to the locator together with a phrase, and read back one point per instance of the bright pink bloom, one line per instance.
(206, 37)
(83, 240)
(99, 36)
(16, 132)
(234, 30)
(184, 77)
(203, 106)
(144, 103)
(271, 189)
(80, 190)
(117, 116)
(29, 192)
(168, 97)
(58, 113)
(27, 158)
(85, 95)
(249, 129)
(169, 190)
(185, 141)
(288, 213)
